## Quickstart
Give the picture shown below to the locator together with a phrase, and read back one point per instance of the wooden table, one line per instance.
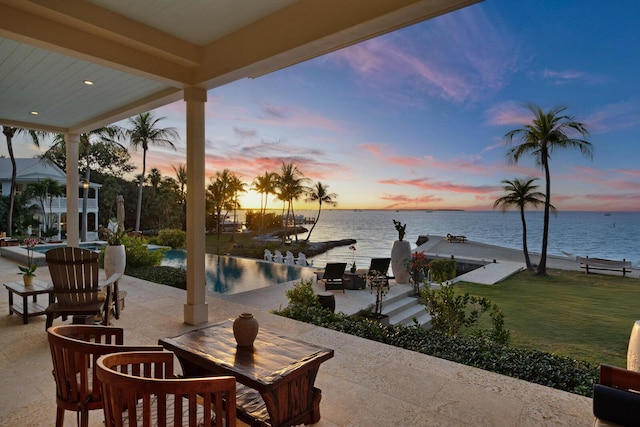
(355, 280)
(283, 370)
(28, 308)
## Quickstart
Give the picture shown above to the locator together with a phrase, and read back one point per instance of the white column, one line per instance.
(73, 179)
(195, 310)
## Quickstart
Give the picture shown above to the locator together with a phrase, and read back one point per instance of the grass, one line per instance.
(570, 313)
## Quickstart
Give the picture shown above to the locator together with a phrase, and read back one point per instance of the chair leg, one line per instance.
(47, 326)
(59, 417)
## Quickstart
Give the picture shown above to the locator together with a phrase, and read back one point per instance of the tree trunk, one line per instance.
(8, 133)
(542, 266)
(314, 223)
(139, 208)
(525, 249)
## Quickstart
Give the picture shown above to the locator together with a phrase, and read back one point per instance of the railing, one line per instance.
(60, 203)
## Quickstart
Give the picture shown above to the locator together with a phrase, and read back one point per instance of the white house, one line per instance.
(35, 170)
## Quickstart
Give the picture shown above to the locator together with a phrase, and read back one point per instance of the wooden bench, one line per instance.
(604, 264)
(456, 239)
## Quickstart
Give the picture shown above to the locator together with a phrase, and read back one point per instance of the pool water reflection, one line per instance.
(232, 275)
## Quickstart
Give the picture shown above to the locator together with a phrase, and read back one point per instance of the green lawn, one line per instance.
(583, 316)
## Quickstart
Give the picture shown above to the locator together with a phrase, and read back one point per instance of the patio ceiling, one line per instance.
(141, 54)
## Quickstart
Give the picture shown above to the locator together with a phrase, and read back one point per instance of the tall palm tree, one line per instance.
(520, 194)
(548, 131)
(320, 193)
(143, 133)
(9, 132)
(235, 186)
(265, 185)
(290, 184)
(219, 194)
(181, 175)
(45, 191)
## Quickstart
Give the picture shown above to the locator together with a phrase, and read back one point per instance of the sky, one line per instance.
(416, 119)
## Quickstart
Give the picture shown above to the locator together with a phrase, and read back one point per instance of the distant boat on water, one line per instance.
(607, 214)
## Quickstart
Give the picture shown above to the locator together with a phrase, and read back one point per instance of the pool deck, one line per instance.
(365, 384)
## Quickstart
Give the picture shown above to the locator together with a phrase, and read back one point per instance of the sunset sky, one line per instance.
(415, 119)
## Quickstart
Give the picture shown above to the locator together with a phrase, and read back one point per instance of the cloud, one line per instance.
(445, 186)
(400, 201)
(621, 115)
(563, 77)
(244, 133)
(458, 57)
(508, 113)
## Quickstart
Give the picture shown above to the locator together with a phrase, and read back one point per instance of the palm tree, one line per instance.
(143, 133)
(547, 132)
(290, 184)
(9, 132)
(219, 195)
(320, 193)
(521, 193)
(265, 185)
(45, 191)
(235, 186)
(181, 175)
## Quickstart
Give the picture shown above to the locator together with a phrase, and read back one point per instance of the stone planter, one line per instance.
(400, 252)
(115, 260)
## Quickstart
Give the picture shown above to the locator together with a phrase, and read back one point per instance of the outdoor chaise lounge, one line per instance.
(381, 266)
(333, 276)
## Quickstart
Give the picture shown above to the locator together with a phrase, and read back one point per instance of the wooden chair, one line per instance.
(74, 351)
(74, 273)
(140, 388)
(616, 398)
(333, 276)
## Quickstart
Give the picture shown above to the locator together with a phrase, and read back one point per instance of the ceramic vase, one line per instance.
(115, 260)
(245, 329)
(28, 280)
(400, 252)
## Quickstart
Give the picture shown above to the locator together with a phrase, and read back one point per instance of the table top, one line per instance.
(270, 360)
(38, 287)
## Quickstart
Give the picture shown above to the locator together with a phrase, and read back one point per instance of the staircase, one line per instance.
(403, 308)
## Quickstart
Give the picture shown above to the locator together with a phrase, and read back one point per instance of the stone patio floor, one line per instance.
(365, 384)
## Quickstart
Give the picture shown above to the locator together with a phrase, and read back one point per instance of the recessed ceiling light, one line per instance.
(34, 113)
(88, 82)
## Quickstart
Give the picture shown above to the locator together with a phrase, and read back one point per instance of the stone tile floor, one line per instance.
(365, 384)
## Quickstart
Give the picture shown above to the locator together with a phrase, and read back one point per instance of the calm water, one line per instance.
(593, 234)
(231, 275)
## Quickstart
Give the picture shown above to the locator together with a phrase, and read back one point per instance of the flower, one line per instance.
(30, 269)
(353, 261)
(416, 265)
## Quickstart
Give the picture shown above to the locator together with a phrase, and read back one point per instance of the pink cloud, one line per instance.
(622, 115)
(426, 184)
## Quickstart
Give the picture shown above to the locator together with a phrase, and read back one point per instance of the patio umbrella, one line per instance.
(120, 212)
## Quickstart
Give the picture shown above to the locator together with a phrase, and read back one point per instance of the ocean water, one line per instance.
(593, 234)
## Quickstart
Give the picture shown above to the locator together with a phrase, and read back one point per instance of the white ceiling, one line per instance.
(140, 54)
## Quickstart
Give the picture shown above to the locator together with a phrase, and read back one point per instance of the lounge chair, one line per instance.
(302, 259)
(456, 239)
(380, 265)
(288, 259)
(268, 256)
(278, 257)
(333, 276)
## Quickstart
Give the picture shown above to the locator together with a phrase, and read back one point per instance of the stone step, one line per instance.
(403, 309)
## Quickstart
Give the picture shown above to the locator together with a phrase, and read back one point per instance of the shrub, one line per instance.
(138, 255)
(562, 373)
(170, 276)
(302, 294)
(442, 270)
(171, 237)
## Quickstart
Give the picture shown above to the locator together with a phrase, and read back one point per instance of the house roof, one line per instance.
(141, 54)
(34, 170)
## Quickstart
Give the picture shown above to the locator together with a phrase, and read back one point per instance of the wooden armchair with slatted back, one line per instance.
(140, 388)
(74, 352)
(76, 287)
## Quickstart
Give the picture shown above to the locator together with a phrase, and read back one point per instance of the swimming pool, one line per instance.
(91, 246)
(232, 275)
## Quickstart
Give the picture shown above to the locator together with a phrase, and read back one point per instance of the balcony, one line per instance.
(59, 204)
(365, 384)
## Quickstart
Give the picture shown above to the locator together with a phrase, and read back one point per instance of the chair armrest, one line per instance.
(110, 281)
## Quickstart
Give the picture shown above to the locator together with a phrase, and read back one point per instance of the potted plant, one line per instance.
(416, 265)
(115, 256)
(29, 272)
(400, 252)
(353, 260)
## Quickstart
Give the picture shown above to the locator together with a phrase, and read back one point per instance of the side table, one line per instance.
(355, 280)
(27, 308)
